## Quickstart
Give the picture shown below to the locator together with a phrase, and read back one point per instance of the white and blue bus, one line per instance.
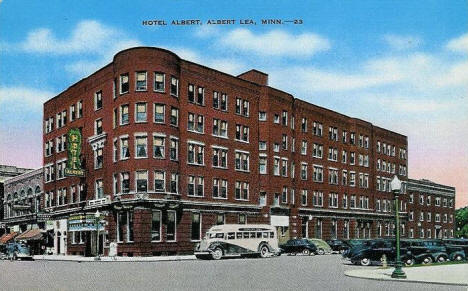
(235, 240)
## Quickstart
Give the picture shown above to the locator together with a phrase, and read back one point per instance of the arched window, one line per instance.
(30, 191)
(15, 195)
(38, 190)
(9, 197)
(23, 193)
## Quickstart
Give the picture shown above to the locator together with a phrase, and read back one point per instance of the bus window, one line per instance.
(252, 235)
(259, 235)
(272, 234)
(230, 235)
(265, 234)
(217, 235)
(246, 234)
(238, 235)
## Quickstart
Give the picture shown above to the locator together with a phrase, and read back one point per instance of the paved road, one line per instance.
(279, 273)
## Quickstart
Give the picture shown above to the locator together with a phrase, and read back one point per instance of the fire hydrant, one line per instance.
(384, 261)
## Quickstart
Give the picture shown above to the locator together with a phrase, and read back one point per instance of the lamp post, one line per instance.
(97, 215)
(395, 186)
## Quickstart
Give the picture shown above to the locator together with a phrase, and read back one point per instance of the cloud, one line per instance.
(459, 44)
(24, 97)
(402, 42)
(275, 43)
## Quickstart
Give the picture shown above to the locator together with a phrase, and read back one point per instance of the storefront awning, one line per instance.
(7, 237)
(32, 234)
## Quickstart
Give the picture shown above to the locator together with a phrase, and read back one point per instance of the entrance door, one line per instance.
(58, 239)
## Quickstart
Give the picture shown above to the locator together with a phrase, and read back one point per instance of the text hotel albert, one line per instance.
(171, 148)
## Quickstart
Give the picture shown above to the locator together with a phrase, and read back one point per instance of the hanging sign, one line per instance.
(74, 151)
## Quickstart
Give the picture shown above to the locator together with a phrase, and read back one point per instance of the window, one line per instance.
(97, 100)
(121, 223)
(262, 145)
(352, 179)
(284, 118)
(318, 173)
(201, 96)
(242, 107)
(220, 128)
(219, 188)
(142, 181)
(318, 128)
(196, 123)
(140, 112)
(174, 149)
(262, 199)
(124, 114)
(191, 93)
(276, 119)
(317, 198)
(352, 138)
(332, 154)
(242, 161)
(98, 126)
(174, 116)
(196, 154)
(61, 165)
(124, 150)
(242, 133)
(140, 84)
(125, 182)
(344, 178)
(276, 166)
(124, 85)
(99, 189)
(114, 118)
(159, 147)
(159, 181)
(141, 147)
(304, 147)
(98, 158)
(196, 226)
(242, 190)
(159, 82)
(303, 171)
(284, 195)
(174, 87)
(159, 112)
(220, 101)
(276, 147)
(174, 183)
(195, 186)
(156, 225)
(352, 158)
(333, 133)
(171, 225)
(284, 142)
(220, 157)
(333, 176)
(284, 167)
(345, 201)
(262, 116)
(317, 151)
(220, 219)
(304, 197)
(304, 124)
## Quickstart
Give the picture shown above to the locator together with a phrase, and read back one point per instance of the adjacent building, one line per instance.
(431, 209)
(170, 148)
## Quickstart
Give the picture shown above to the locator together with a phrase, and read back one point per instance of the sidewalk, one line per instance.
(112, 259)
(444, 274)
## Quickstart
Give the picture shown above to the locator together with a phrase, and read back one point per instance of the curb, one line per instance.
(404, 280)
(110, 260)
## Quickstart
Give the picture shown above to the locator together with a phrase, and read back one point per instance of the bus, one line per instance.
(237, 240)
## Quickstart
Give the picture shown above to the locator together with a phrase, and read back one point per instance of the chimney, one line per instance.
(255, 76)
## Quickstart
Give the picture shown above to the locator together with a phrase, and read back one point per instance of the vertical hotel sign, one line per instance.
(74, 150)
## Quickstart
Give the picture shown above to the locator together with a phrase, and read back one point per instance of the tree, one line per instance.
(461, 222)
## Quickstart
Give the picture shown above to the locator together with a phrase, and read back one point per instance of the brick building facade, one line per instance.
(171, 148)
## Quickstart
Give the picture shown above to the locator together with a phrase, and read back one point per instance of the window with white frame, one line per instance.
(159, 146)
(196, 153)
(242, 190)
(262, 116)
(140, 84)
(159, 82)
(318, 173)
(242, 161)
(317, 151)
(174, 183)
(262, 165)
(195, 186)
(242, 133)
(141, 147)
(196, 123)
(276, 166)
(98, 126)
(174, 149)
(220, 157)
(159, 112)
(333, 133)
(304, 171)
(333, 200)
(98, 158)
(141, 179)
(317, 198)
(220, 128)
(304, 124)
(99, 189)
(284, 142)
(332, 154)
(125, 182)
(98, 100)
(124, 118)
(352, 179)
(219, 188)
(262, 145)
(333, 176)
(174, 116)
(174, 87)
(124, 83)
(304, 197)
(140, 112)
(304, 147)
(284, 167)
(159, 181)
(344, 178)
(318, 128)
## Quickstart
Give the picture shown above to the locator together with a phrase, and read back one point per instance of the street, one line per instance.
(277, 273)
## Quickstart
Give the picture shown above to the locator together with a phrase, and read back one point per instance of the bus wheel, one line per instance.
(264, 251)
(217, 254)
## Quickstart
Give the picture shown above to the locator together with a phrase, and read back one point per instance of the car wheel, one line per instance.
(365, 262)
(217, 254)
(441, 259)
(342, 251)
(306, 252)
(409, 262)
(264, 251)
(427, 260)
(320, 252)
(458, 258)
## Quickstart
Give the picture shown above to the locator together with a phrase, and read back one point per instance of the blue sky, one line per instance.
(402, 65)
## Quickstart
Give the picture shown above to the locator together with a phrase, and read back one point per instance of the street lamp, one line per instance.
(97, 216)
(395, 186)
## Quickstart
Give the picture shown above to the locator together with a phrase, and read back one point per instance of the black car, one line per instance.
(457, 242)
(297, 246)
(373, 251)
(425, 251)
(338, 245)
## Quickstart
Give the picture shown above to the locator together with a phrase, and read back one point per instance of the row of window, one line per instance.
(446, 202)
(428, 217)
(443, 233)
(75, 112)
(64, 196)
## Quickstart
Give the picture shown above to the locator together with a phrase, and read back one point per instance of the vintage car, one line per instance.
(338, 245)
(299, 246)
(425, 251)
(373, 252)
(322, 247)
(18, 251)
(459, 243)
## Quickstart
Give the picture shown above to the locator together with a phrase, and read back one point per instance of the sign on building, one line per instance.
(74, 141)
(84, 222)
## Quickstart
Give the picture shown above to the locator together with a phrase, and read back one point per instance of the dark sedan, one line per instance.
(338, 245)
(298, 246)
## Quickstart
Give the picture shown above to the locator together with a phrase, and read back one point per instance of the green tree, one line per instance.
(461, 222)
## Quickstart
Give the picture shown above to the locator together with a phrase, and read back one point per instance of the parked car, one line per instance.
(373, 251)
(18, 251)
(338, 245)
(296, 246)
(322, 246)
(457, 242)
(354, 246)
(425, 251)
